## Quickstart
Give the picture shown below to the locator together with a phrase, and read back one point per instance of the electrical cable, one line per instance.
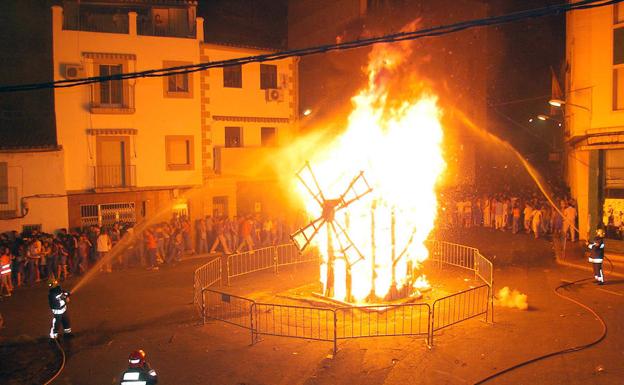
(396, 37)
(563, 351)
(58, 372)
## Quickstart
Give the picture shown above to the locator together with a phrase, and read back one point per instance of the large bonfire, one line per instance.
(395, 139)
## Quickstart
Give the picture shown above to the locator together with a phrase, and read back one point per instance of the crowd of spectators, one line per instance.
(34, 256)
(526, 213)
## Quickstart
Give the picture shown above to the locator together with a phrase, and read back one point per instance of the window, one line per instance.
(268, 137)
(219, 206)
(268, 76)
(4, 182)
(178, 85)
(618, 13)
(115, 96)
(618, 58)
(179, 152)
(111, 92)
(233, 137)
(29, 229)
(233, 76)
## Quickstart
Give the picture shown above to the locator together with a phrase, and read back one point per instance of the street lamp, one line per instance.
(559, 103)
(544, 118)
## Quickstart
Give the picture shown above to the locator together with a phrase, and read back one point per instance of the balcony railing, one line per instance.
(615, 177)
(114, 176)
(173, 21)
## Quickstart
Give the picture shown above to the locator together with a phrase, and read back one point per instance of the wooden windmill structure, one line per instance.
(346, 248)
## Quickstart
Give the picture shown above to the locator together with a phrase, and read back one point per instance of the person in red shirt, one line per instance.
(151, 244)
(246, 229)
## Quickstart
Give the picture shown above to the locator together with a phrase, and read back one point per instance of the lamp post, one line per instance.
(559, 103)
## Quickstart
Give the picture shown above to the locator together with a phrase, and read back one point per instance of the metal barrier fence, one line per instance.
(205, 276)
(289, 254)
(303, 322)
(326, 324)
(250, 262)
(459, 307)
(228, 308)
(383, 321)
(465, 257)
(271, 257)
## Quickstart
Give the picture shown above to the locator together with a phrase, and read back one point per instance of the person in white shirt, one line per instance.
(569, 217)
(104, 245)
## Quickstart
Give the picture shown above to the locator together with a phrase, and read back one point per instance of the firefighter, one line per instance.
(139, 371)
(597, 255)
(58, 299)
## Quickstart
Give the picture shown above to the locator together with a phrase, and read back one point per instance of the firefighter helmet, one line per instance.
(600, 233)
(137, 358)
(52, 282)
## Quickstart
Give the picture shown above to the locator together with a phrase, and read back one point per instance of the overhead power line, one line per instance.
(396, 37)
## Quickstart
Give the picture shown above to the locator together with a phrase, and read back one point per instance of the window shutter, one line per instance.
(4, 183)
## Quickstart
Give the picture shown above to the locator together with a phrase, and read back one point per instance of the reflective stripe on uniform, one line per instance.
(133, 383)
(595, 260)
(5, 269)
(59, 311)
(131, 376)
(52, 331)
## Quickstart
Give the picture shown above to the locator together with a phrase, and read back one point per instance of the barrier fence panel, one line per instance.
(483, 268)
(294, 321)
(289, 254)
(228, 308)
(459, 307)
(205, 276)
(250, 261)
(380, 321)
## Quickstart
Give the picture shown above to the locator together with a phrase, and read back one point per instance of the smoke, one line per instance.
(512, 298)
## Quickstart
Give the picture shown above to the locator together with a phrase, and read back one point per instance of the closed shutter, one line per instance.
(4, 182)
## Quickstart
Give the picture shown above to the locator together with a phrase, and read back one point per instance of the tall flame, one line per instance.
(396, 141)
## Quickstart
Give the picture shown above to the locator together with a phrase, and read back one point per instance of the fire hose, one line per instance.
(558, 352)
(60, 369)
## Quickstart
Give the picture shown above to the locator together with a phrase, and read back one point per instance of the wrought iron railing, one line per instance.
(114, 176)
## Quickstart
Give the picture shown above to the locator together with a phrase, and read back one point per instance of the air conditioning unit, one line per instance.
(274, 95)
(72, 71)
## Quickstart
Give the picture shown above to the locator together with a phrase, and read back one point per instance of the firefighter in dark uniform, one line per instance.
(58, 299)
(139, 371)
(597, 255)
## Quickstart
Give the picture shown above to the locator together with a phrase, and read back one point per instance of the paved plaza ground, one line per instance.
(119, 312)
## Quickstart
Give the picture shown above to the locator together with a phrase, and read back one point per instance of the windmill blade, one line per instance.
(357, 189)
(304, 235)
(351, 253)
(307, 178)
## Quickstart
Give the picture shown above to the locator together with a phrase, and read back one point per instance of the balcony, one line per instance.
(250, 162)
(614, 177)
(111, 177)
(162, 20)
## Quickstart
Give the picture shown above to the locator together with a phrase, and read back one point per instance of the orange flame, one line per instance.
(397, 143)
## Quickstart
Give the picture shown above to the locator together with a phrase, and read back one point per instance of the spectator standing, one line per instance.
(104, 245)
(151, 246)
(568, 222)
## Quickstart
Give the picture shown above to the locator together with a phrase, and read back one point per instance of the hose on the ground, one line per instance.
(60, 369)
(559, 352)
